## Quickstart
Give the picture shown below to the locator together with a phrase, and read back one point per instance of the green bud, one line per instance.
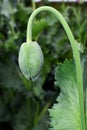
(30, 59)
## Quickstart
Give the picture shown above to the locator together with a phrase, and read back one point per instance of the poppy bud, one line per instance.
(30, 59)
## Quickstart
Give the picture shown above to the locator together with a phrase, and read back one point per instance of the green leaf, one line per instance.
(86, 108)
(65, 114)
(42, 124)
(24, 117)
(22, 14)
(9, 78)
(38, 27)
(84, 66)
(6, 8)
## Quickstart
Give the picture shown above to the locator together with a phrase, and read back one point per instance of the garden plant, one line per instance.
(70, 110)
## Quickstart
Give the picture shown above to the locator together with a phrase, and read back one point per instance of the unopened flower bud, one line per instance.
(30, 59)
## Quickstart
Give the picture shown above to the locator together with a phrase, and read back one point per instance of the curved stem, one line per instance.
(76, 54)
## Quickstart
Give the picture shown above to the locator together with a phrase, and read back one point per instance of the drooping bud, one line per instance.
(30, 59)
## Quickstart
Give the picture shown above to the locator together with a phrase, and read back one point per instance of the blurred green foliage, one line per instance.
(24, 104)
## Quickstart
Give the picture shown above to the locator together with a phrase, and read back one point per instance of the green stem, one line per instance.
(76, 53)
(33, 5)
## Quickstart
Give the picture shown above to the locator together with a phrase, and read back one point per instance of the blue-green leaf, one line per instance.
(86, 107)
(84, 66)
(65, 114)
